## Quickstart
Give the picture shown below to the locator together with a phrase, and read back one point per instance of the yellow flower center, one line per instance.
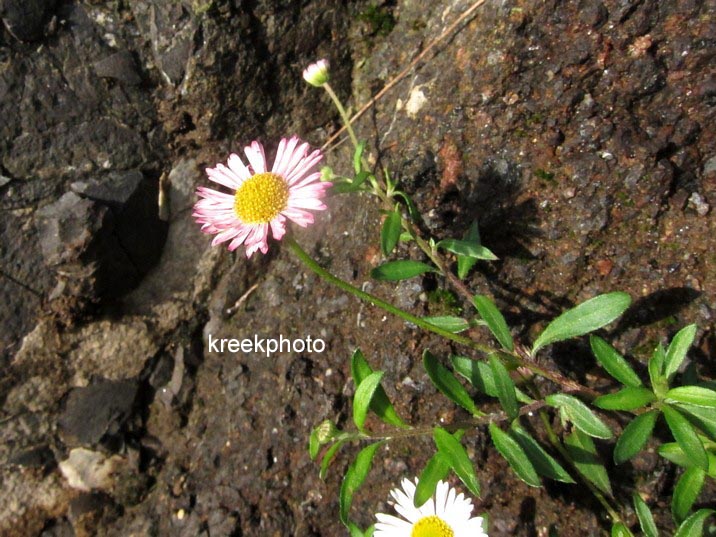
(432, 526)
(261, 198)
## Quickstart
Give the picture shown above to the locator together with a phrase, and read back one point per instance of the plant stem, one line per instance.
(342, 111)
(371, 299)
(476, 421)
(307, 260)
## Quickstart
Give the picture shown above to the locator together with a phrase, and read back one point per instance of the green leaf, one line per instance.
(543, 462)
(694, 525)
(586, 317)
(656, 371)
(390, 232)
(448, 385)
(313, 444)
(703, 418)
(412, 209)
(380, 404)
(672, 451)
(584, 454)
(359, 179)
(634, 436)
(465, 263)
(363, 397)
(456, 456)
(613, 362)
(358, 155)
(620, 530)
(467, 248)
(677, 350)
(693, 395)
(355, 475)
(505, 387)
(435, 470)
(646, 519)
(686, 491)
(686, 437)
(449, 323)
(400, 270)
(625, 399)
(328, 458)
(515, 456)
(480, 376)
(495, 321)
(580, 415)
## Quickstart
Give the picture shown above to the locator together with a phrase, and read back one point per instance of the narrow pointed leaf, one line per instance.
(686, 491)
(625, 399)
(412, 209)
(613, 362)
(449, 323)
(435, 470)
(656, 371)
(543, 462)
(358, 155)
(480, 376)
(313, 444)
(355, 475)
(400, 270)
(363, 397)
(693, 395)
(465, 263)
(620, 530)
(584, 318)
(686, 437)
(634, 436)
(584, 454)
(678, 348)
(505, 387)
(672, 451)
(328, 458)
(456, 456)
(448, 385)
(580, 415)
(390, 232)
(495, 321)
(646, 519)
(701, 417)
(380, 404)
(694, 525)
(515, 456)
(467, 248)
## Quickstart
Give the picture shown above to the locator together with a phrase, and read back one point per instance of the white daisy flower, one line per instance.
(446, 514)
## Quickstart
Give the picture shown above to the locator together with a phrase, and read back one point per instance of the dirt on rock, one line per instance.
(578, 134)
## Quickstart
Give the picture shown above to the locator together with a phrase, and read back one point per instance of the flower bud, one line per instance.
(316, 74)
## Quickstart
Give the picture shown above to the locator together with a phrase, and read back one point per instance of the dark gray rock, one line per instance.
(119, 66)
(115, 189)
(97, 410)
(68, 227)
(34, 457)
(25, 19)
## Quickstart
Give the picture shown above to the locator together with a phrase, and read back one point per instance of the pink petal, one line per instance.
(278, 228)
(238, 167)
(284, 155)
(224, 176)
(255, 154)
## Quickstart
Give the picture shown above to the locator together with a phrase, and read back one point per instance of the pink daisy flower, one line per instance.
(261, 199)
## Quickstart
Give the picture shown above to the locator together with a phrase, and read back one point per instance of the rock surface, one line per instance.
(576, 133)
